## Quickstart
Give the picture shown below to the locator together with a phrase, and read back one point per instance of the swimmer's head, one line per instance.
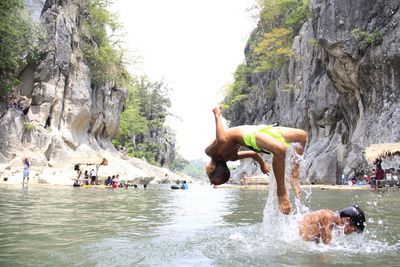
(218, 172)
(355, 216)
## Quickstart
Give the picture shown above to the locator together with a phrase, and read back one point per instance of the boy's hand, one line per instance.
(265, 168)
(217, 109)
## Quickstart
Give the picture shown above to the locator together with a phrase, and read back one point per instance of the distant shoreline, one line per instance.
(317, 186)
(227, 186)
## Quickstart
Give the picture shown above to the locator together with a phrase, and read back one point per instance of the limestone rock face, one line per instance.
(60, 110)
(342, 89)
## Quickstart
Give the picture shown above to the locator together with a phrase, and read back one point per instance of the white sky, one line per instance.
(194, 46)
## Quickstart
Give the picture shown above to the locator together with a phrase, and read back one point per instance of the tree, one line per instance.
(179, 163)
(281, 20)
(273, 50)
(143, 120)
(237, 94)
(106, 59)
(19, 41)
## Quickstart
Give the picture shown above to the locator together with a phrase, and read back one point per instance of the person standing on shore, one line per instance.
(25, 173)
(259, 138)
(93, 177)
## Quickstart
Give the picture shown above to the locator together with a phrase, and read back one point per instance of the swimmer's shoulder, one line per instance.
(326, 213)
(327, 216)
(318, 215)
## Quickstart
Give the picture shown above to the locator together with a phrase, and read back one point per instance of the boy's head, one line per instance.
(218, 172)
(354, 219)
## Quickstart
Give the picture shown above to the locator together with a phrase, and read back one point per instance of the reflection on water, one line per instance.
(202, 226)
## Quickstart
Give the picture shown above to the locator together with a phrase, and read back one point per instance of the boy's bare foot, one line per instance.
(284, 204)
(295, 183)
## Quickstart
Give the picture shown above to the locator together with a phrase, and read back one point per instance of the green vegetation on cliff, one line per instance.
(374, 38)
(281, 20)
(19, 40)
(237, 94)
(270, 47)
(105, 57)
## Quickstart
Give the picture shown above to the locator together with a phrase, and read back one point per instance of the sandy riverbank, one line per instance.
(62, 172)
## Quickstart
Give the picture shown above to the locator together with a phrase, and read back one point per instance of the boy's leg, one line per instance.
(278, 165)
(299, 137)
(293, 135)
(294, 178)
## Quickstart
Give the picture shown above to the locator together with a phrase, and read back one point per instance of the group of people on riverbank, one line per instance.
(375, 177)
(85, 176)
(272, 139)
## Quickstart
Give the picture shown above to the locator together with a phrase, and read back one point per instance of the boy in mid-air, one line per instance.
(318, 225)
(259, 138)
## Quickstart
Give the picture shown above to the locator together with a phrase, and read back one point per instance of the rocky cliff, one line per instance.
(62, 115)
(342, 85)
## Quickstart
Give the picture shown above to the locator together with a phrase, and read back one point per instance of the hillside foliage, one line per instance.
(19, 41)
(237, 94)
(106, 58)
(143, 119)
(281, 20)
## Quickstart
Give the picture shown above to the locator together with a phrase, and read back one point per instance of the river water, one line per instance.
(202, 226)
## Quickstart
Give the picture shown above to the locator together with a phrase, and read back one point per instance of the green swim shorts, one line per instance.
(275, 132)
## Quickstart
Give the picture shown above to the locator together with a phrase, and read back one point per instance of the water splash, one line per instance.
(280, 228)
(277, 225)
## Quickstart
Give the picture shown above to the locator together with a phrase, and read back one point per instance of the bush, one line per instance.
(313, 42)
(282, 20)
(29, 126)
(19, 40)
(374, 38)
(237, 93)
(290, 14)
(273, 50)
(105, 58)
(106, 65)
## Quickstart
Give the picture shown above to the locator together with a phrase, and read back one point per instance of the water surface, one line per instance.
(202, 226)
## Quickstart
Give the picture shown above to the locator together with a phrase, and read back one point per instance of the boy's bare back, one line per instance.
(318, 225)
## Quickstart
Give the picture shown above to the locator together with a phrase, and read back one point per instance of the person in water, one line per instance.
(318, 225)
(184, 185)
(259, 138)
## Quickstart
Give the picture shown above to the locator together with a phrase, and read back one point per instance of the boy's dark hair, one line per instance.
(220, 173)
(356, 216)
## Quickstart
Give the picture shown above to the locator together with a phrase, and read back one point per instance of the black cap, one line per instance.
(356, 216)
